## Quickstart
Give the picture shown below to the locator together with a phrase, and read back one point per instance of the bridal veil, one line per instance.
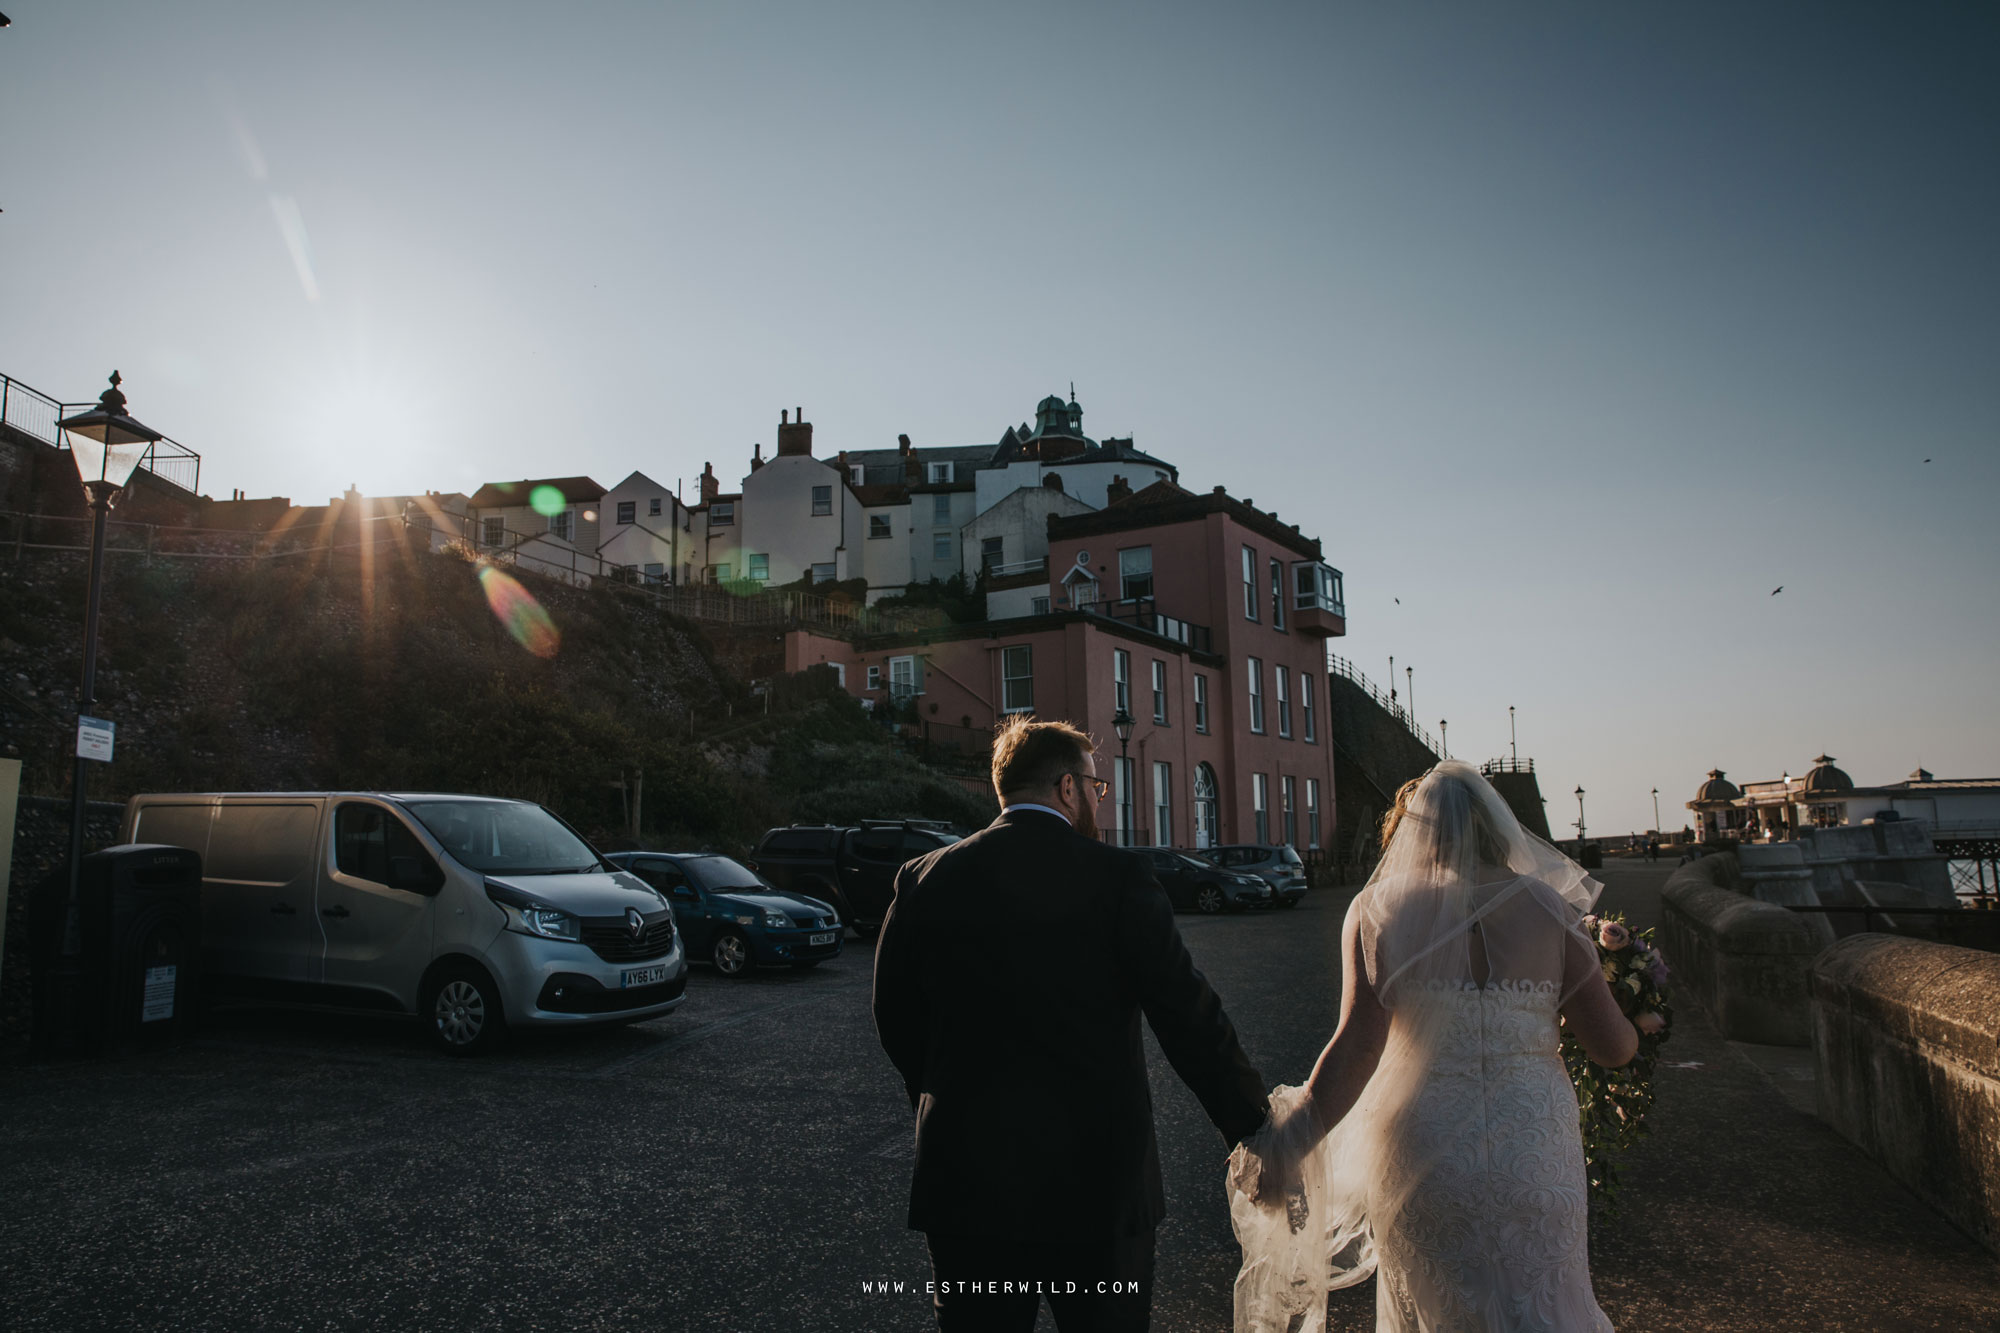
(1463, 899)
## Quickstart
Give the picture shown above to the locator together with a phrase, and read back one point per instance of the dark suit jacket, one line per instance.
(1009, 980)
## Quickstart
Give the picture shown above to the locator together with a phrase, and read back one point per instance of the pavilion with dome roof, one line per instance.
(1826, 797)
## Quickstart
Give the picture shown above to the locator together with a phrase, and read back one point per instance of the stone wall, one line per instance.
(1373, 755)
(1746, 962)
(1906, 1037)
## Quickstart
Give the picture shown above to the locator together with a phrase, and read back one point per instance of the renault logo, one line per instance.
(634, 922)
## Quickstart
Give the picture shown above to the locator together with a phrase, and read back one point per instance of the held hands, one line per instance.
(1651, 1023)
(1266, 1166)
(1266, 1180)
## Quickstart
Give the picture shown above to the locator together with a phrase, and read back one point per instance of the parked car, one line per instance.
(854, 868)
(1193, 885)
(731, 916)
(474, 914)
(1279, 866)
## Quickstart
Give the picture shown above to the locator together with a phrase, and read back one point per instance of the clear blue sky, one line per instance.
(1578, 328)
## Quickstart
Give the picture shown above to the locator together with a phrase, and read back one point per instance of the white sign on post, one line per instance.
(93, 738)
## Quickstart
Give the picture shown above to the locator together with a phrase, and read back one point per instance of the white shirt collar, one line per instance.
(1045, 809)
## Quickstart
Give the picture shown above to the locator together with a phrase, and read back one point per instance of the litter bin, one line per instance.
(139, 909)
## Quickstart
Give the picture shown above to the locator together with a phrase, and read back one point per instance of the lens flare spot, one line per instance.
(547, 501)
(516, 608)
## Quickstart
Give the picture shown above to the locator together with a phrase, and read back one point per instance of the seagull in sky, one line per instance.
(1775, 591)
(1399, 601)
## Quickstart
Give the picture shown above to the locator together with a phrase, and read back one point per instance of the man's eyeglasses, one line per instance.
(1102, 786)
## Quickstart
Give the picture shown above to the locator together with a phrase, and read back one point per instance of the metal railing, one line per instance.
(35, 414)
(1141, 613)
(1388, 703)
(1492, 766)
(20, 533)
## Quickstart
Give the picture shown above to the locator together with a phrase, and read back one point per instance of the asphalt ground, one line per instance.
(741, 1164)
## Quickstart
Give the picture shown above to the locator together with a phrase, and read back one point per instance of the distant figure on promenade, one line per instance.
(1652, 849)
(1010, 977)
(1436, 1144)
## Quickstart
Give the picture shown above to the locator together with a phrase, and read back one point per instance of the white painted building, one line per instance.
(646, 529)
(799, 514)
(548, 525)
(908, 515)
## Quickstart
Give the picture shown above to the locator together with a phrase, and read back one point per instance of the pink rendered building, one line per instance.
(1201, 617)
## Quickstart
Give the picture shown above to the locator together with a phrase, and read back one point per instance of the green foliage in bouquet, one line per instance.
(1613, 1103)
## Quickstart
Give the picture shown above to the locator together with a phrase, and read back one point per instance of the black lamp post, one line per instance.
(1579, 819)
(1444, 738)
(1122, 724)
(1656, 810)
(106, 446)
(1513, 744)
(1410, 694)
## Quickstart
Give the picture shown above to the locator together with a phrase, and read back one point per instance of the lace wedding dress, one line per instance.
(1495, 1235)
(1457, 1177)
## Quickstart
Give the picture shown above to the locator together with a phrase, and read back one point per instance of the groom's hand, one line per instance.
(1275, 1181)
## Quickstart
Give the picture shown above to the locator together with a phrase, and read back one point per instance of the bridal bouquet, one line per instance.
(1613, 1102)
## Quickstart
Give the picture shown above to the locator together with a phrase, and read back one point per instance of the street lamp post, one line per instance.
(1444, 738)
(1656, 811)
(1392, 682)
(1410, 695)
(1579, 819)
(1513, 745)
(1122, 724)
(106, 446)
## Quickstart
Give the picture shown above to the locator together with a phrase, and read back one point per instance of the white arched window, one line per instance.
(1206, 813)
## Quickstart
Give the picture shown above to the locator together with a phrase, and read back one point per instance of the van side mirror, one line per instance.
(415, 874)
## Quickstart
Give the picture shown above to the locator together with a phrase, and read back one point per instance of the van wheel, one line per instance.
(731, 954)
(1208, 898)
(461, 1010)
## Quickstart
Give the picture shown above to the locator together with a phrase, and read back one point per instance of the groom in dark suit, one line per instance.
(1009, 980)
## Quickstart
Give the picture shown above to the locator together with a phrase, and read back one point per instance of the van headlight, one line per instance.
(525, 916)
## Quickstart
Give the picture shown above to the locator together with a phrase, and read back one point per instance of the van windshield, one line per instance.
(504, 837)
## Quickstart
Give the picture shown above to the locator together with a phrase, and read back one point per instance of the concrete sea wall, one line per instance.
(1906, 1037)
(1746, 962)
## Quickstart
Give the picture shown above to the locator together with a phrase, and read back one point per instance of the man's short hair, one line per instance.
(1030, 755)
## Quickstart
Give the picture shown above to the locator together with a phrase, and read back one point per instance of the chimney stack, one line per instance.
(903, 444)
(795, 435)
(757, 455)
(710, 487)
(1119, 489)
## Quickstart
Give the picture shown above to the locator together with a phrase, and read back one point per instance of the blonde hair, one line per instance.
(1488, 841)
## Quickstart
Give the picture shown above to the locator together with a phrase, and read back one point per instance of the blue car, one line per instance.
(730, 917)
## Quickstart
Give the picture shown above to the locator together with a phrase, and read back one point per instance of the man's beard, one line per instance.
(1086, 818)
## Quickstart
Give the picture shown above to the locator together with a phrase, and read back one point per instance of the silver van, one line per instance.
(471, 912)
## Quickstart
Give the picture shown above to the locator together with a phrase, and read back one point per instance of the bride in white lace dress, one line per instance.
(1436, 1144)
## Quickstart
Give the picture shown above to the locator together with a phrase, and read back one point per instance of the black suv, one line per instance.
(852, 868)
